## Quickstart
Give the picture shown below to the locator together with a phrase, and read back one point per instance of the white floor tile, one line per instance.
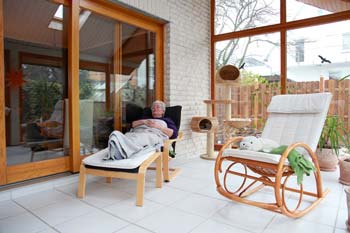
(282, 223)
(244, 216)
(10, 208)
(5, 195)
(105, 196)
(48, 230)
(97, 221)
(129, 211)
(187, 184)
(322, 214)
(341, 219)
(23, 223)
(210, 191)
(199, 205)
(42, 199)
(62, 211)
(340, 231)
(211, 226)
(343, 200)
(165, 195)
(31, 189)
(198, 173)
(133, 229)
(170, 220)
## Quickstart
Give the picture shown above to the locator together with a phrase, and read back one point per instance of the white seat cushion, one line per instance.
(133, 162)
(253, 155)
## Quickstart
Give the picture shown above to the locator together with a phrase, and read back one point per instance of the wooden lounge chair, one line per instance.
(135, 112)
(135, 167)
(294, 120)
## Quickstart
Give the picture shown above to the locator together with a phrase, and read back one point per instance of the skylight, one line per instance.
(59, 12)
(57, 20)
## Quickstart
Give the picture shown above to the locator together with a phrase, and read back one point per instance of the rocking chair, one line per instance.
(296, 121)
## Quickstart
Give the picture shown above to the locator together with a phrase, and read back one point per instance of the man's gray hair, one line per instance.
(160, 103)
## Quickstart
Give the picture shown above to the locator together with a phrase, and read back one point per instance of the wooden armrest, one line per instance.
(168, 142)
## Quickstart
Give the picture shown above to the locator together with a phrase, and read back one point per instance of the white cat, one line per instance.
(257, 144)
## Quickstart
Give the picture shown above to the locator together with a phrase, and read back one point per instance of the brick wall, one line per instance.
(187, 59)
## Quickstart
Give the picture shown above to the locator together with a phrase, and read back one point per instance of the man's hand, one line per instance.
(153, 124)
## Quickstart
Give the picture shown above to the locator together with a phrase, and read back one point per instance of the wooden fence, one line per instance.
(252, 101)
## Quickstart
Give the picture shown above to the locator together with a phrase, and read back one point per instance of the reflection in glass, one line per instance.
(259, 59)
(36, 82)
(231, 16)
(117, 68)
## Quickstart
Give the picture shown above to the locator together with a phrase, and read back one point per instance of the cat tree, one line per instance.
(228, 76)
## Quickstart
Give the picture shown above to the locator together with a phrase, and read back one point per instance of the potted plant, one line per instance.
(329, 143)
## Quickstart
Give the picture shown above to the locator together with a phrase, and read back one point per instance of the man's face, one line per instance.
(157, 111)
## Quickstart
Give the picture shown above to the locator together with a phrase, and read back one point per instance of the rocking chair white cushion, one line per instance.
(292, 118)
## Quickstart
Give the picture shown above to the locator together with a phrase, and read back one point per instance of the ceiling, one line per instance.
(28, 20)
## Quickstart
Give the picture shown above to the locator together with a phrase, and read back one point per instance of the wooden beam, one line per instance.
(32, 170)
(117, 72)
(144, 52)
(309, 22)
(283, 48)
(212, 52)
(159, 75)
(73, 86)
(120, 13)
(2, 102)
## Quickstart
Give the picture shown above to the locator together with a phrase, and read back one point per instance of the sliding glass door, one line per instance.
(113, 64)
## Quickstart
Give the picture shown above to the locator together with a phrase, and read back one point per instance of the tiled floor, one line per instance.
(189, 203)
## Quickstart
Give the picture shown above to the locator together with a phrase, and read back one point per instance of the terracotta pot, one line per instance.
(347, 191)
(327, 159)
(344, 169)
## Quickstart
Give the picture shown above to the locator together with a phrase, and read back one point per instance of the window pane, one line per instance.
(324, 56)
(36, 82)
(109, 80)
(231, 16)
(323, 52)
(301, 9)
(259, 59)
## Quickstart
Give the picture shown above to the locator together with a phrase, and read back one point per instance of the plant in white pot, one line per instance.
(329, 144)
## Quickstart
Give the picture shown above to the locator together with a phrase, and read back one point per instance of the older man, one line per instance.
(146, 134)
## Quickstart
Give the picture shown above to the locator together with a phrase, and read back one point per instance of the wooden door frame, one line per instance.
(3, 177)
(15, 173)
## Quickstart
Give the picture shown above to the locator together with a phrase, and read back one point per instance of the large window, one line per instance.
(295, 54)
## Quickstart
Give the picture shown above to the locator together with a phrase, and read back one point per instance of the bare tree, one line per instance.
(235, 15)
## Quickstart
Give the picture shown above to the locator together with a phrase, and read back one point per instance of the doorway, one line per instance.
(120, 60)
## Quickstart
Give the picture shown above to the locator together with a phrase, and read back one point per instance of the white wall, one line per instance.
(187, 59)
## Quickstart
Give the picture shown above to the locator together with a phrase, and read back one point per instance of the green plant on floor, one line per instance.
(334, 135)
